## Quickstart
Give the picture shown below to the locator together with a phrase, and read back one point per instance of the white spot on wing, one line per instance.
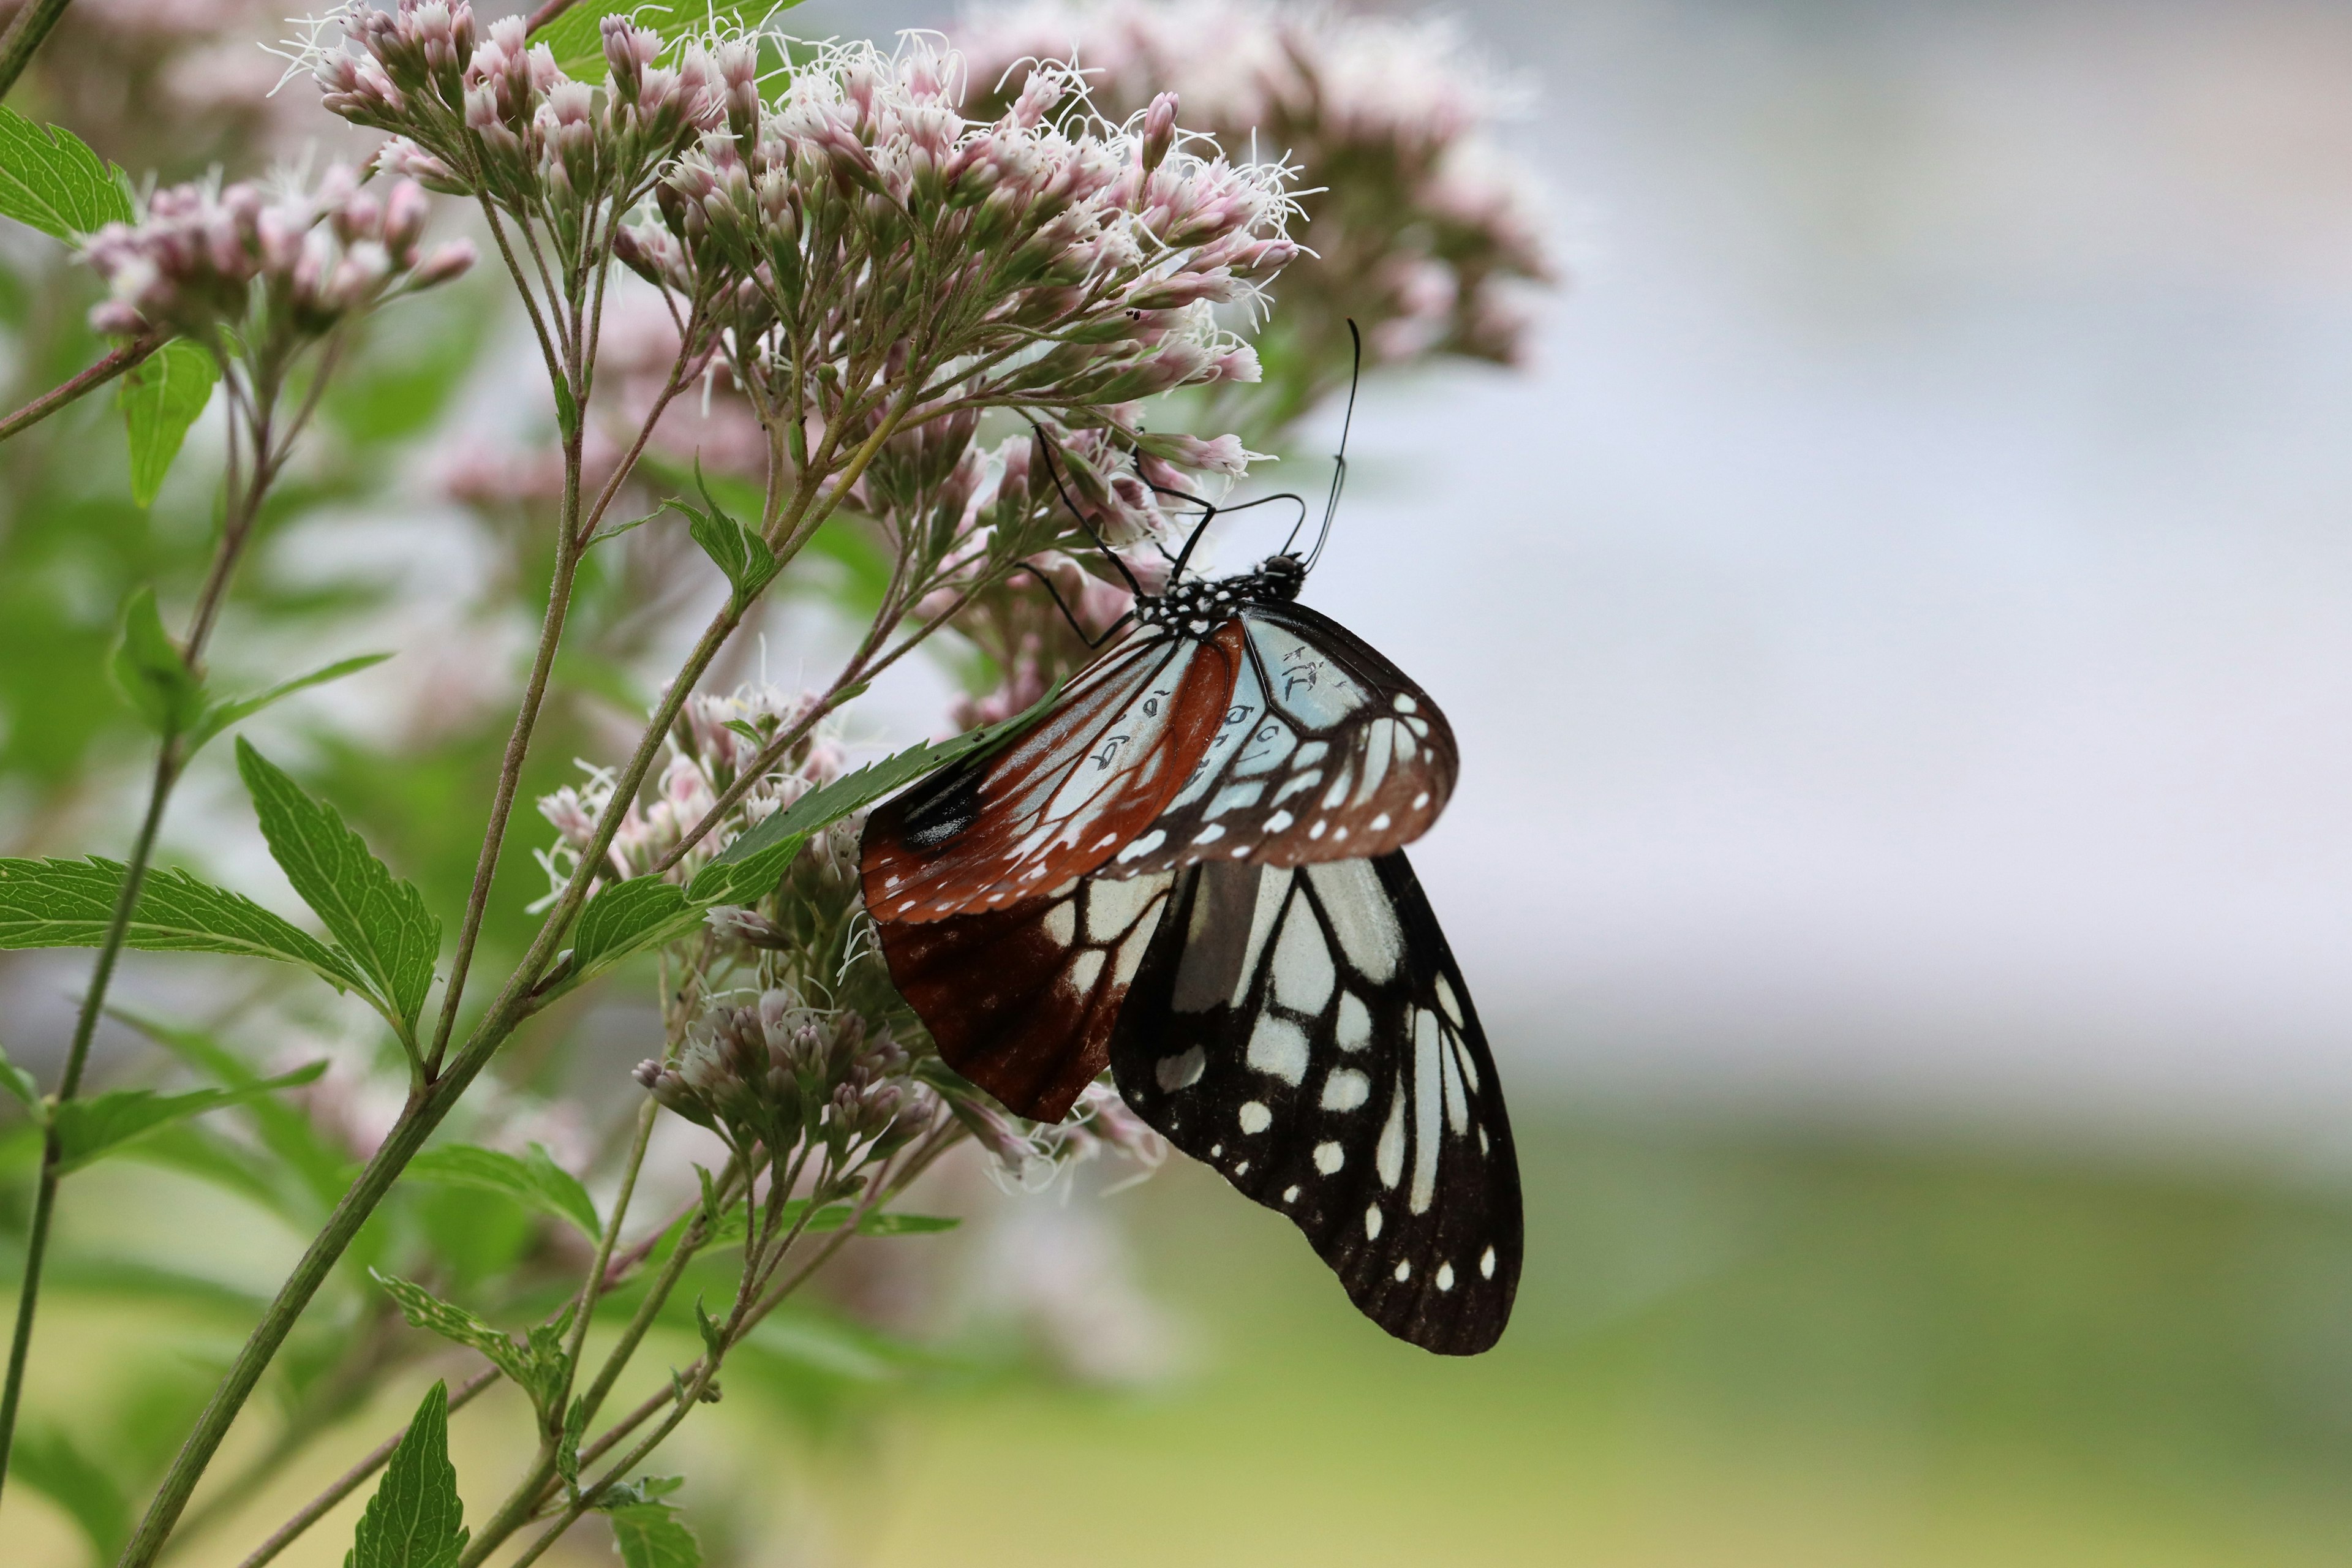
(1290, 1194)
(1402, 703)
(1389, 1158)
(1083, 971)
(1345, 1089)
(1372, 1224)
(1427, 1090)
(1295, 782)
(1272, 889)
(1404, 1271)
(1311, 753)
(1303, 974)
(1329, 1157)
(1355, 1028)
(1487, 1264)
(1113, 906)
(1278, 821)
(1139, 848)
(1445, 1277)
(1361, 915)
(1254, 1116)
(1278, 1047)
(1210, 833)
(1061, 924)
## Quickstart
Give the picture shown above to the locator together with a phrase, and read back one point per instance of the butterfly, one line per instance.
(1190, 872)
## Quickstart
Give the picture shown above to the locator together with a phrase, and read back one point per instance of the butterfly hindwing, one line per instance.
(1304, 1030)
(1021, 1000)
(999, 830)
(1325, 751)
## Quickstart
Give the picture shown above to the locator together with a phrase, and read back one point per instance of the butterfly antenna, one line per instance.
(1340, 462)
(1075, 625)
(1046, 448)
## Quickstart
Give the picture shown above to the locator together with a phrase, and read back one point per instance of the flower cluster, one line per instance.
(858, 233)
(274, 266)
(484, 109)
(774, 1073)
(716, 738)
(1423, 230)
(1031, 1157)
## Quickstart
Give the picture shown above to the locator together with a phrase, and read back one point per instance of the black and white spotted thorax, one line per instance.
(1196, 608)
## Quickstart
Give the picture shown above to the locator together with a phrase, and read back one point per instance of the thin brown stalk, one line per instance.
(125, 358)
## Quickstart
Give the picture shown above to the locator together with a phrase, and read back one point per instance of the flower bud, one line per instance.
(1159, 131)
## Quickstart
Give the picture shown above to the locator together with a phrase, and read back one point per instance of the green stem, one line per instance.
(236, 529)
(25, 35)
(124, 358)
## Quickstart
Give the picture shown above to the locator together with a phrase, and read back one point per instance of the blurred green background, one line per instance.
(1903, 854)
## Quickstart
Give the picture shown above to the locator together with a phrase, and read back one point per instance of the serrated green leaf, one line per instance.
(150, 670)
(645, 1488)
(626, 918)
(378, 919)
(70, 903)
(48, 1461)
(651, 1535)
(536, 1183)
(567, 411)
(221, 715)
(567, 1443)
(415, 1520)
(823, 806)
(50, 179)
(21, 1085)
(161, 396)
(738, 551)
(746, 881)
(90, 1128)
(425, 1310)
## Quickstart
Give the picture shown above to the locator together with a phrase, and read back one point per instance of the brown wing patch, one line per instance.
(1326, 751)
(999, 830)
(1022, 1001)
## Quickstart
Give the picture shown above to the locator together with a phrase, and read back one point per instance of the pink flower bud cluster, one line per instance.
(473, 108)
(1424, 231)
(1072, 263)
(1033, 1157)
(276, 266)
(774, 1072)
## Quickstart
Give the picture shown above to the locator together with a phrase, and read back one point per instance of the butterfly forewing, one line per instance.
(1304, 1030)
(1325, 751)
(1021, 1000)
(1001, 828)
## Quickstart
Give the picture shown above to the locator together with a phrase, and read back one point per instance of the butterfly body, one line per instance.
(1188, 871)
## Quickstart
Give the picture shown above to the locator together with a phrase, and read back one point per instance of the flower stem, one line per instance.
(122, 359)
(236, 529)
(25, 35)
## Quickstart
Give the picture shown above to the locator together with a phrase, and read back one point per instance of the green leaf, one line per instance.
(376, 917)
(738, 552)
(733, 1226)
(50, 179)
(425, 1310)
(221, 715)
(854, 792)
(47, 1460)
(20, 1084)
(70, 903)
(285, 1130)
(567, 411)
(534, 1364)
(626, 918)
(197, 1151)
(577, 41)
(160, 398)
(87, 1129)
(415, 1520)
(651, 1535)
(744, 881)
(538, 1182)
(151, 672)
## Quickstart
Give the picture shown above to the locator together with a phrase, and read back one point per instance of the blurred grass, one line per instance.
(1731, 1349)
(1734, 1348)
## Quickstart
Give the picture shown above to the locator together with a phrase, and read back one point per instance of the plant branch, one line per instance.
(25, 35)
(122, 359)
